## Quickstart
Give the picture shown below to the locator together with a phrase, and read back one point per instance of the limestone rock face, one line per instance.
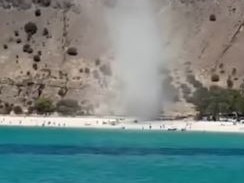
(61, 48)
(211, 35)
(49, 48)
(204, 39)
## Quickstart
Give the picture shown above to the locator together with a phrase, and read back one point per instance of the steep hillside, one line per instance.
(52, 49)
(212, 38)
(61, 49)
(205, 40)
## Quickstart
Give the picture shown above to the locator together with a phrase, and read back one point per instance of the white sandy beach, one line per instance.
(119, 123)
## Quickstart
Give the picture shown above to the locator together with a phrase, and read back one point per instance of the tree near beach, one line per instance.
(67, 107)
(44, 106)
(215, 101)
(18, 110)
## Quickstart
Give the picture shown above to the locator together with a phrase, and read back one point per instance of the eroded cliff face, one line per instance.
(208, 37)
(61, 49)
(55, 49)
(212, 38)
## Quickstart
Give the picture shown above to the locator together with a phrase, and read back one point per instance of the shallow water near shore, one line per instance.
(37, 155)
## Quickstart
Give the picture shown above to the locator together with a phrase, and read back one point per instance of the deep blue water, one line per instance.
(36, 155)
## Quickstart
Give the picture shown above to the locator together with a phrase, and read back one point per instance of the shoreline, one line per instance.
(93, 122)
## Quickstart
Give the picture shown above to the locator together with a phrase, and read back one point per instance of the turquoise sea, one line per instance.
(36, 155)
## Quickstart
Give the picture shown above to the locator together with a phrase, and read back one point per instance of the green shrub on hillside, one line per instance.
(17, 110)
(44, 106)
(215, 78)
(67, 107)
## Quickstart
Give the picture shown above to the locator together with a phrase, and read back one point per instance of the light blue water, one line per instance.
(29, 155)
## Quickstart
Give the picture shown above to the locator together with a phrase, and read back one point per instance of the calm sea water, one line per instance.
(31, 155)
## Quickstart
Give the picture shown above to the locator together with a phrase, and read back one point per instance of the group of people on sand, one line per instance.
(44, 123)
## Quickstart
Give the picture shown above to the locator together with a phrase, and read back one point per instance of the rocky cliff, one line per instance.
(53, 49)
(207, 37)
(60, 49)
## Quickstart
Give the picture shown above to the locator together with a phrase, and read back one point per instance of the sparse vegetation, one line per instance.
(221, 66)
(29, 103)
(5, 46)
(230, 83)
(38, 12)
(37, 58)
(6, 108)
(30, 110)
(35, 66)
(215, 78)
(72, 51)
(27, 48)
(222, 72)
(87, 70)
(44, 106)
(45, 32)
(30, 29)
(212, 18)
(63, 91)
(216, 100)
(18, 41)
(68, 107)
(17, 110)
(16, 33)
(234, 71)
